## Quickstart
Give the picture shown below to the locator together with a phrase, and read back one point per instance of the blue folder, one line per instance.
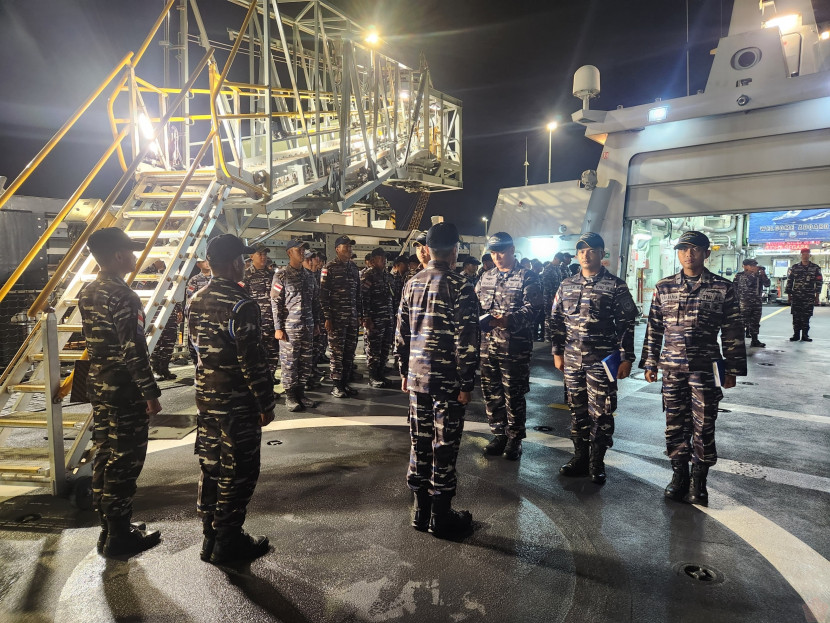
(612, 365)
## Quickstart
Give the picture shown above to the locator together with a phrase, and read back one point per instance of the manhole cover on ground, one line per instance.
(699, 573)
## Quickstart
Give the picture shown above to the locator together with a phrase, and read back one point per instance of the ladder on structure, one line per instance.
(176, 210)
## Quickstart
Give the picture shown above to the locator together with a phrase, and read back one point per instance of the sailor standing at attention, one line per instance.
(593, 317)
(690, 309)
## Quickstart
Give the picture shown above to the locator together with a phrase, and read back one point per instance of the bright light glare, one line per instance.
(404, 95)
(484, 218)
(825, 35)
(785, 22)
(146, 128)
(552, 126)
(372, 36)
(543, 247)
(658, 114)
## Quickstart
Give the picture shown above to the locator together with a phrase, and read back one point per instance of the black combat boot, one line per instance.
(124, 539)
(698, 493)
(339, 390)
(796, 335)
(446, 523)
(596, 466)
(679, 485)
(513, 449)
(496, 445)
(292, 402)
(805, 337)
(578, 465)
(756, 342)
(102, 537)
(209, 539)
(235, 545)
(312, 383)
(421, 510)
(307, 403)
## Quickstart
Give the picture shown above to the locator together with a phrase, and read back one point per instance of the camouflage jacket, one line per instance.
(592, 317)
(292, 298)
(376, 290)
(437, 335)
(340, 291)
(318, 311)
(749, 286)
(232, 366)
(804, 281)
(113, 324)
(551, 280)
(398, 282)
(691, 315)
(258, 286)
(138, 284)
(516, 294)
(196, 283)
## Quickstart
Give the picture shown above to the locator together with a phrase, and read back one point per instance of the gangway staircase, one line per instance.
(173, 213)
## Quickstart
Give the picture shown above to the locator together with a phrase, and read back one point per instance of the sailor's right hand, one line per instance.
(153, 406)
(559, 362)
(328, 326)
(651, 375)
(280, 335)
(266, 418)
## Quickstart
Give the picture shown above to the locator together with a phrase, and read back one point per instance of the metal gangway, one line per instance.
(324, 118)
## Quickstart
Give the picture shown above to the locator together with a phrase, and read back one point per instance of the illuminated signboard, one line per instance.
(797, 226)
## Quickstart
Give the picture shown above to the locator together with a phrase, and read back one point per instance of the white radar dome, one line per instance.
(586, 82)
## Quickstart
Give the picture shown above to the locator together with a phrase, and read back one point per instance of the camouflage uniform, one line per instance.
(505, 353)
(376, 287)
(803, 286)
(233, 387)
(690, 313)
(163, 352)
(295, 308)
(341, 303)
(398, 282)
(436, 343)
(120, 381)
(591, 318)
(748, 287)
(321, 340)
(258, 286)
(551, 280)
(194, 284)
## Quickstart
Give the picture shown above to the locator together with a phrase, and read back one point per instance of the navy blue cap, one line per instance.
(470, 260)
(694, 239)
(486, 258)
(414, 258)
(309, 254)
(499, 241)
(343, 240)
(227, 247)
(421, 239)
(296, 243)
(113, 239)
(442, 236)
(401, 259)
(590, 240)
(261, 248)
(379, 252)
(750, 262)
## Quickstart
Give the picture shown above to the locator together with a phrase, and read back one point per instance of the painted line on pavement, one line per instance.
(777, 311)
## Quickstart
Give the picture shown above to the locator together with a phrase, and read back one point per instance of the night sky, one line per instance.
(511, 63)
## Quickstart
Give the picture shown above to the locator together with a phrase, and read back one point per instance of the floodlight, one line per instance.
(785, 23)
(145, 126)
(552, 126)
(825, 35)
(372, 37)
(658, 114)
(404, 95)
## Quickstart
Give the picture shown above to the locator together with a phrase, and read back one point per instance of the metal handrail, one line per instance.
(41, 155)
(43, 298)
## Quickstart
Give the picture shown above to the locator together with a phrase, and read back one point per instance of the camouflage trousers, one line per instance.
(228, 448)
(435, 427)
(272, 348)
(343, 343)
(120, 438)
(690, 400)
(320, 341)
(802, 311)
(505, 379)
(297, 356)
(163, 352)
(751, 314)
(379, 344)
(592, 399)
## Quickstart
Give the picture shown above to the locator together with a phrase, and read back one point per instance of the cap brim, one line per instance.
(135, 245)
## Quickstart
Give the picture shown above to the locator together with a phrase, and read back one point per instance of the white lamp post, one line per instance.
(551, 127)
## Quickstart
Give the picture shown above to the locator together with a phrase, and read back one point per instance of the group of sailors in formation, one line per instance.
(444, 326)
